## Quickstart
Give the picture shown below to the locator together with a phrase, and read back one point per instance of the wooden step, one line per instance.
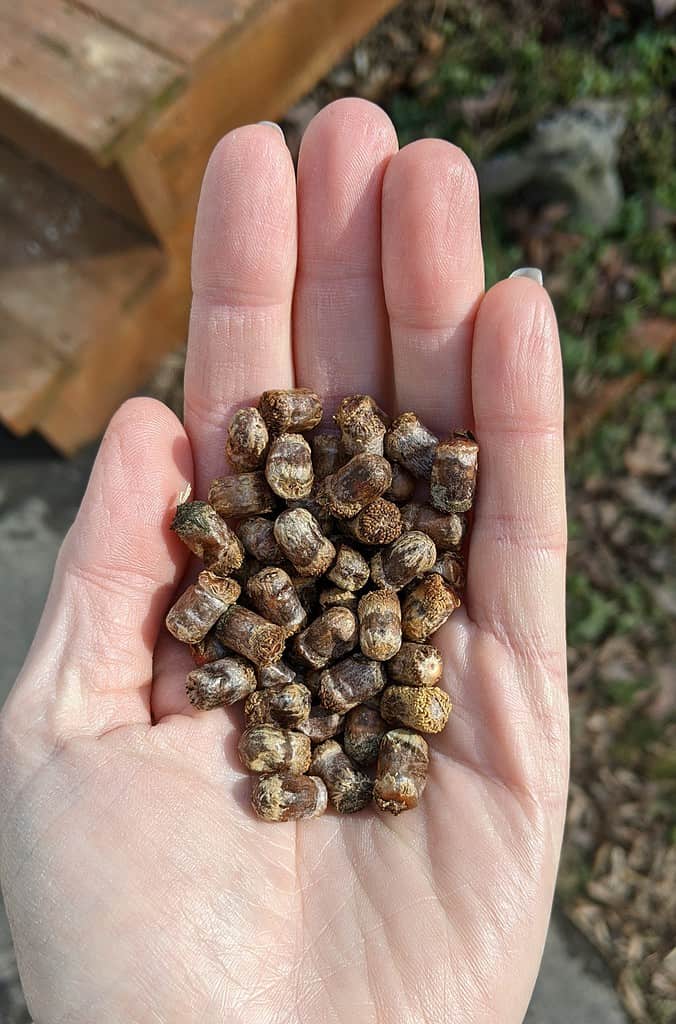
(70, 271)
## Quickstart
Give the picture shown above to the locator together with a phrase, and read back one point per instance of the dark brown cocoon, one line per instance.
(268, 748)
(364, 729)
(194, 613)
(287, 797)
(426, 607)
(356, 484)
(378, 523)
(203, 531)
(247, 440)
(334, 597)
(349, 790)
(451, 568)
(246, 494)
(403, 484)
(379, 616)
(416, 665)
(332, 635)
(299, 536)
(361, 427)
(220, 683)
(273, 594)
(453, 478)
(250, 635)
(425, 708)
(350, 570)
(322, 724)
(349, 682)
(409, 442)
(410, 555)
(447, 530)
(258, 537)
(288, 706)
(401, 775)
(278, 673)
(291, 409)
(288, 468)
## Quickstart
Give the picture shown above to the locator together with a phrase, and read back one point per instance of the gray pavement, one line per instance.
(39, 495)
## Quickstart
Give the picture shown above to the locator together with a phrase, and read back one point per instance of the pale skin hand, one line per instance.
(139, 886)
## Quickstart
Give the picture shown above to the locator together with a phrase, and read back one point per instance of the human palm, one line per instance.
(139, 885)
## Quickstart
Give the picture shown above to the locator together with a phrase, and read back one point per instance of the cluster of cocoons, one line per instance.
(330, 560)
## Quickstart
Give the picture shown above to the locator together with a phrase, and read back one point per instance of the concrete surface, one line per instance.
(39, 495)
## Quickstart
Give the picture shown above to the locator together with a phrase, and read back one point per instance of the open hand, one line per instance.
(140, 887)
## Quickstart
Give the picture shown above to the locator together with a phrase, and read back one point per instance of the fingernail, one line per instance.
(273, 124)
(534, 273)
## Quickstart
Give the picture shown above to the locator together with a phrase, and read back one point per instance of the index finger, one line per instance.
(243, 271)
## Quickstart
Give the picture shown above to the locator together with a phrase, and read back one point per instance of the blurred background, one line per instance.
(107, 116)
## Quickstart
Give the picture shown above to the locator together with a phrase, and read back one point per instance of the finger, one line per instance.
(516, 568)
(433, 277)
(90, 667)
(341, 339)
(243, 268)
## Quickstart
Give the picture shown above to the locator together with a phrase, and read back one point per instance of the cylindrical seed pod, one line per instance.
(378, 523)
(349, 790)
(258, 537)
(287, 706)
(409, 442)
(410, 555)
(334, 597)
(288, 468)
(247, 440)
(446, 530)
(246, 494)
(191, 617)
(293, 409)
(250, 635)
(327, 455)
(426, 607)
(273, 594)
(379, 616)
(322, 724)
(203, 531)
(361, 428)
(299, 536)
(454, 472)
(286, 797)
(350, 569)
(401, 775)
(403, 484)
(350, 682)
(268, 748)
(331, 635)
(207, 650)
(364, 729)
(356, 484)
(220, 683)
(416, 665)
(279, 673)
(425, 708)
(451, 568)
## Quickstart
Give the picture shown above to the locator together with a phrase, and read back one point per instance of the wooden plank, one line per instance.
(181, 29)
(29, 370)
(74, 73)
(257, 73)
(106, 184)
(68, 270)
(124, 356)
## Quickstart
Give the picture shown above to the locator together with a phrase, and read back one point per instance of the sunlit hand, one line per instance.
(139, 886)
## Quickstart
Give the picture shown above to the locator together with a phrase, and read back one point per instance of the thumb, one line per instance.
(91, 663)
